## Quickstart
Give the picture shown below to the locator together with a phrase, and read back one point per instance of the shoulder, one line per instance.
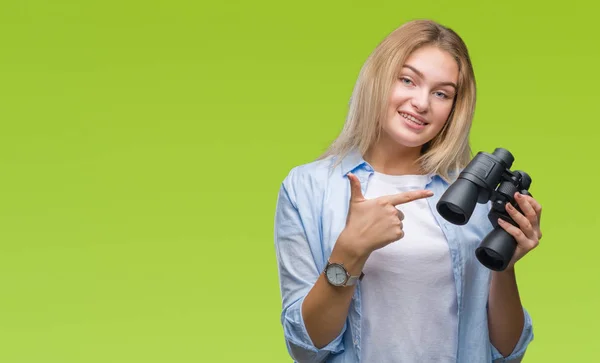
(310, 178)
(315, 171)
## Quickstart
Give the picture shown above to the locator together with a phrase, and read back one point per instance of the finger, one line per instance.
(406, 197)
(527, 209)
(536, 205)
(355, 191)
(526, 243)
(521, 220)
(400, 215)
(538, 211)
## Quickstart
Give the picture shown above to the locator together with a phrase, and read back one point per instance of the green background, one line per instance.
(142, 145)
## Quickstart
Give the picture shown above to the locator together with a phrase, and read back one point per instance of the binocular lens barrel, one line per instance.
(458, 203)
(496, 250)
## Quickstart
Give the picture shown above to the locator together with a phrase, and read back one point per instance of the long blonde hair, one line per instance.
(449, 150)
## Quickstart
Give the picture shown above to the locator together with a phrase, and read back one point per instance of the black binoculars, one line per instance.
(487, 178)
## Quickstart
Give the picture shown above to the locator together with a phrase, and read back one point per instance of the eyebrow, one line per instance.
(420, 74)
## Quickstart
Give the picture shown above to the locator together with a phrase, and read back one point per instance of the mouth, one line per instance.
(412, 119)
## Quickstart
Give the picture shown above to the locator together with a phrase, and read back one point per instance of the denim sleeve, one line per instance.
(297, 274)
(519, 351)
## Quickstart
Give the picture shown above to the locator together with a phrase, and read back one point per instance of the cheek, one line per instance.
(441, 113)
(397, 96)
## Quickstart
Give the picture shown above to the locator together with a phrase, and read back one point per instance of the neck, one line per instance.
(393, 159)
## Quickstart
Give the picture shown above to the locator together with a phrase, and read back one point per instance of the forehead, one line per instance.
(434, 63)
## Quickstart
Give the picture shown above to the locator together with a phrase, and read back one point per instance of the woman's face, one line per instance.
(422, 97)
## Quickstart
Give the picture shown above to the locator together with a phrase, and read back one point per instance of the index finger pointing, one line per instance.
(402, 198)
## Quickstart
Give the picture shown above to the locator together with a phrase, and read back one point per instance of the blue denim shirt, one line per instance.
(310, 214)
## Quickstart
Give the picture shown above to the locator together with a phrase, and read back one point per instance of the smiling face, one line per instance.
(421, 98)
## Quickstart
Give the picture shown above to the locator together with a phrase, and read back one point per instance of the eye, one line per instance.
(406, 81)
(441, 95)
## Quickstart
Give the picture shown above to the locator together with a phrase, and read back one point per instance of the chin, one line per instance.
(410, 141)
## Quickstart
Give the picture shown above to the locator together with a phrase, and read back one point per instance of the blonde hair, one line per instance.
(449, 150)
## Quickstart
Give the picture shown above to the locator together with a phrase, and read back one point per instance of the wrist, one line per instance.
(350, 243)
(350, 253)
(502, 278)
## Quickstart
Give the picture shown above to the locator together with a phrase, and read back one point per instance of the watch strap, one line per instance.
(354, 279)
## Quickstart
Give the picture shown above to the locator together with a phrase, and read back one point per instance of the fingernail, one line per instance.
(501, 221)
(509, 206)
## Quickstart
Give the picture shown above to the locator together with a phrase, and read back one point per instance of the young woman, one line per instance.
(369, 271)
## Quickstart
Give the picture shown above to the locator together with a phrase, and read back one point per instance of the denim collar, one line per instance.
(353, 160)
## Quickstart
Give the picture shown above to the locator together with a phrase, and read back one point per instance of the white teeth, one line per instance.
(409, 117)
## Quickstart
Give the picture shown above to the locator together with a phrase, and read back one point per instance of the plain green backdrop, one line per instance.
(142, 145)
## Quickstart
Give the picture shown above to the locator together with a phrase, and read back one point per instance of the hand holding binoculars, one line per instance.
(487, 178)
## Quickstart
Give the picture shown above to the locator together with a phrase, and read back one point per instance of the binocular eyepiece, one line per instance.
(487, 178)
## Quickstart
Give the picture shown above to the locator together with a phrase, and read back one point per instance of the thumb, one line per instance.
(355, 192)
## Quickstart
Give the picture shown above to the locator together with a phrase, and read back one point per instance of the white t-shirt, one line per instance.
(409, 307)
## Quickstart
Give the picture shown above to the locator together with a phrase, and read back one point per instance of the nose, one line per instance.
(420, 101)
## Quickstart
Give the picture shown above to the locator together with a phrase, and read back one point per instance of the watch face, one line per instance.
(336, 274)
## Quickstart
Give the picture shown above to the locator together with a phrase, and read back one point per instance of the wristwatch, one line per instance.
(337, 275)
